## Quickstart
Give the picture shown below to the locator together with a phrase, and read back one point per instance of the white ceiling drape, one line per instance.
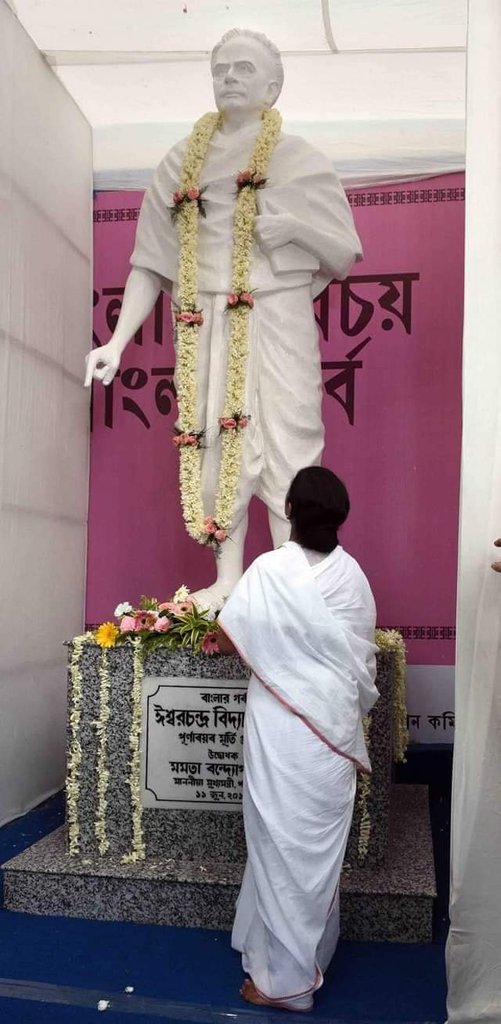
(377, 84)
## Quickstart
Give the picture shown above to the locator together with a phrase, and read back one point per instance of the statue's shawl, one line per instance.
(301, 183)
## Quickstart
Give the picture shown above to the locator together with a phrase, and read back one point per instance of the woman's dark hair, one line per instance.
(319, 505)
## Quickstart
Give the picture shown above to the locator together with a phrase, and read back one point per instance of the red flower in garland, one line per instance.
(250, 179)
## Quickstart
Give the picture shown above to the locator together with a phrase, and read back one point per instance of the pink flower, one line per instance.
(233, 299)
(127, 624)
(244, 177)
(210, 644)
(187, 316)
(178, 197)
(162, 624)
(228, 423)
(247, 298)
(220, 536)
(184, 607)
(144, 620)
(168, 606)
(209, 525)
(193, 193)
(243, 421)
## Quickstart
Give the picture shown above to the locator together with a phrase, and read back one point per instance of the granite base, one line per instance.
(392, 904)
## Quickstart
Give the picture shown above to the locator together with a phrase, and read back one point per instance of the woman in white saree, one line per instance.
(303, 619)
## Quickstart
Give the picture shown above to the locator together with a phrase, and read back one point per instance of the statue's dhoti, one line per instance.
(284, 393)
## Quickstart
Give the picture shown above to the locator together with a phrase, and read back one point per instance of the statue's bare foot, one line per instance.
(251, 995)
(212, 598)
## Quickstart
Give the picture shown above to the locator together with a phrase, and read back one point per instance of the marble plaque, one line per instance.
(192, 742)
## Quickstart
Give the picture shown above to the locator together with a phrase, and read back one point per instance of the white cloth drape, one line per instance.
(45, 326)
(474, 945)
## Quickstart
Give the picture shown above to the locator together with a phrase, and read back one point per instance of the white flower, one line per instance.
(182, 594)
(123, 609)
(103, 1004)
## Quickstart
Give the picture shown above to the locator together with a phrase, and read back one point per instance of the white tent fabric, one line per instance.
(45, 282)
(376, 84)
(474, 945)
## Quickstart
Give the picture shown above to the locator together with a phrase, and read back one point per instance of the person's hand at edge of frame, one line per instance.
(497, 565)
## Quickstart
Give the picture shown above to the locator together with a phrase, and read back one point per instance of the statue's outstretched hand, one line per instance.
(101, 364)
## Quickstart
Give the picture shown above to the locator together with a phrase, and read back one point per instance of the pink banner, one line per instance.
(390, 340)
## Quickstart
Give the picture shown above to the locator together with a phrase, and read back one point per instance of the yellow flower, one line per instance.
(106, 635)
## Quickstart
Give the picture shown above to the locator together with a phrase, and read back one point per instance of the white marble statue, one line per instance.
(303, 238)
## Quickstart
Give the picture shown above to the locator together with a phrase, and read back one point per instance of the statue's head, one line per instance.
(247, 72)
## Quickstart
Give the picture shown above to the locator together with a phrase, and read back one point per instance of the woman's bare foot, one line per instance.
(251, 995)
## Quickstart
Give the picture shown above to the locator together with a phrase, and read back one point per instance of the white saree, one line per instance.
(307, 633)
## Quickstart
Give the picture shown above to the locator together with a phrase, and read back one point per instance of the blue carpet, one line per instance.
(370, 982)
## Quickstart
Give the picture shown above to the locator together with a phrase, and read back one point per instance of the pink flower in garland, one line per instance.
(210, 526)
(186, 440)
(193, 194)
(191, 317)
(235, 422)
(220, 536)
(210, 644)
(236, 299)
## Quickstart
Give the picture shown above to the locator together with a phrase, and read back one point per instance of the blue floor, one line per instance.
(185, 974)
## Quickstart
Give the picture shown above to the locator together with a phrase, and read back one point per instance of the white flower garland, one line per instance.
(138, 851)
(102, 769)
(364, 789)
(75, 751)
(187, 214)
(392, 640)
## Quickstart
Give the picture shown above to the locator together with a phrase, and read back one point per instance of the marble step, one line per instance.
(390, 903)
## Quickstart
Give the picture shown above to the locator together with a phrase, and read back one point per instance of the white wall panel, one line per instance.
(45, 314)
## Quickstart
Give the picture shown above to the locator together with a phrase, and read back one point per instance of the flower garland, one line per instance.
(102, 769)
(214, 529)
(138, 851)
(392, 640)
(75, 751)
(364, 789)
(194, 633)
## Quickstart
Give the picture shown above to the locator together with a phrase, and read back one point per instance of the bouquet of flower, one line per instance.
(175, 624)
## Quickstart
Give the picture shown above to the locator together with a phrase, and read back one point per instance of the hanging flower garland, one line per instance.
(188, 207)
(364, 789)
(75, 751)
(392, 640)
(103, 773)
(138, 851)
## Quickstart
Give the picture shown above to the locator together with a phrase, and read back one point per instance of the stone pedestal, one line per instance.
(191, 715)
(189, 831)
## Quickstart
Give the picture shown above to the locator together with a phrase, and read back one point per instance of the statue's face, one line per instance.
(244, 77)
